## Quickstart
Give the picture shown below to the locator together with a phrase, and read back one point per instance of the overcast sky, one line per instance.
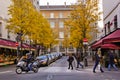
(57, 2)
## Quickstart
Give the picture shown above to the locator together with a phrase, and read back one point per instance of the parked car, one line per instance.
(43, 60)
(49, 58)
(53, 57)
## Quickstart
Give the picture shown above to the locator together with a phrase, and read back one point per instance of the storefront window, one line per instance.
(109, 27)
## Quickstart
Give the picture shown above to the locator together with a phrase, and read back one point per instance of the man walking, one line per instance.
(111, 61)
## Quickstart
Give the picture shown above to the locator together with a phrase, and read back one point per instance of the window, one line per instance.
(52, 24)
(109, 27)
(105, 28)
(38, 2)
(60, 15)
(115, 22)
(61, 24)
(51, 15)
(61, 34)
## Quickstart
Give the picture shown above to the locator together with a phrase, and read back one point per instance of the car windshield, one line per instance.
(41, 57)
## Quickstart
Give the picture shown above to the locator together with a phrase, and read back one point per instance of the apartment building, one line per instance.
(36, 4)
(56, 15)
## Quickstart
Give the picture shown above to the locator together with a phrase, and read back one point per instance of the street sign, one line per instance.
(85, 41)
(16, 44)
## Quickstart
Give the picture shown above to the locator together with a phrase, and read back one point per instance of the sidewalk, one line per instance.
(91, 64)
(6, 63)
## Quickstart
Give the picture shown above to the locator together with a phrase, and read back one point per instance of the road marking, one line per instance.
(5, 72)
(49, 77)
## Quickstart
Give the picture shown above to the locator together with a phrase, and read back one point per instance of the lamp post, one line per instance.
(18, 44)
(85, 43)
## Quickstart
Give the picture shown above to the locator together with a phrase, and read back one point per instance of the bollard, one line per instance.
(85, 62)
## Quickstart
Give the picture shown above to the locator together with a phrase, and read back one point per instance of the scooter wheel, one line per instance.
(35, 69)
(18, 70)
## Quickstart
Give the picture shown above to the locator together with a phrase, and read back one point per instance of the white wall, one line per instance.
(108, 6)
(4, 14)
(118, 16)
(4, 4)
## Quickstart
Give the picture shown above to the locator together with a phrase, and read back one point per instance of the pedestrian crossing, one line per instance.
(3, 72)
(65, 69)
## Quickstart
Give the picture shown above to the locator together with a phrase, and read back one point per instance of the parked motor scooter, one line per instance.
(22, 67)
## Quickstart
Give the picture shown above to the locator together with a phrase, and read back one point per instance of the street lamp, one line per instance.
(18, 44)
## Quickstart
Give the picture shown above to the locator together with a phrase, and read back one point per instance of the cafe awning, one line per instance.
(7, 43)
(97, 44)
(12, 44)
(113, 37)
(110, 46)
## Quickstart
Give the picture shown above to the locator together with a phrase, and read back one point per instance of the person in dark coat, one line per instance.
(97, 60)
(78, 61)
(111, 61)
(70, 60)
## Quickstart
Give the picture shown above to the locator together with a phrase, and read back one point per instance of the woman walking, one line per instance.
(98, 58)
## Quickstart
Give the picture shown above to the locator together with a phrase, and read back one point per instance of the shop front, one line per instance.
(111, 41)
(8, 51)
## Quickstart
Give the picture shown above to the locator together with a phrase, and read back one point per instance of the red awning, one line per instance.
(110, 46)
(25, 46)
(113, 37)
(7, 43)
(97, 44)
(12, 44)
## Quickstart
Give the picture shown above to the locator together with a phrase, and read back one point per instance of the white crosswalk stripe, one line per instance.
(5, 72)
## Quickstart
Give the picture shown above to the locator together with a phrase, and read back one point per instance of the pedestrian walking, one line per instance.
(98, 58)
(70, 61)
(112, 61)
(78, 59)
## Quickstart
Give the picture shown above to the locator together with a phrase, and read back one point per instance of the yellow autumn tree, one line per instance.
(82, 19)
(26, 20)
(20, 12)
(42, 33)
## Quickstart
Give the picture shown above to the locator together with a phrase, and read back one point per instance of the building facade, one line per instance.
(3, 18)
(36, 4)
(56, 15)
(111, 16)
